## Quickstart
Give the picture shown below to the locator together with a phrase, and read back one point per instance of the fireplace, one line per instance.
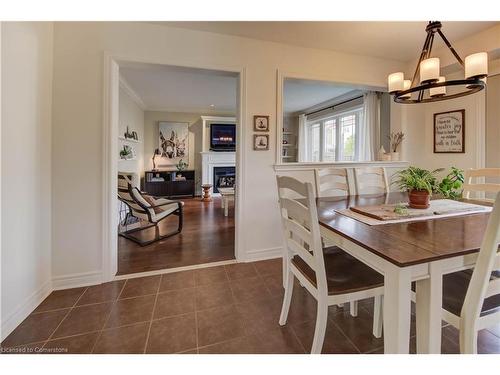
(223, 177)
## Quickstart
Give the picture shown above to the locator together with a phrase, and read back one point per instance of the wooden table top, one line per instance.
(409, 243)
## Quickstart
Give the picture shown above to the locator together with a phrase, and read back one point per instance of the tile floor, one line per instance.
(225, 309)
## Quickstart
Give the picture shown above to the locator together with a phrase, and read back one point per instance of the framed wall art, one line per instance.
(173, 138)
(449, 132)
(261, 142)
(261, 123)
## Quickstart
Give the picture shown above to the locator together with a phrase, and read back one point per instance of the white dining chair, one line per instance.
(371, 180)
(331, 182)
(331, 277)
(471, 299)
(471, 186)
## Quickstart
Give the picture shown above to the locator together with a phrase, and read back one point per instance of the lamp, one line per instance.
(157, 152)
(432, 87)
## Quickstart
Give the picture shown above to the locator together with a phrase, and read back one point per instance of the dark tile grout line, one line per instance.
(341, 330)
(99, 335)
(261, 276)
(152, 315)
(65, 317)
(298, 339)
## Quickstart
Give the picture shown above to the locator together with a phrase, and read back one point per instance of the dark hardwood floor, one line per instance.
(207, 236)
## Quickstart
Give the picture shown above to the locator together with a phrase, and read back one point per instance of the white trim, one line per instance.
(77, 280)
(264, 254)
(173, 270)
(131, 93)
(344, 164)
(25, 308)
(195, 110)
(110, 128)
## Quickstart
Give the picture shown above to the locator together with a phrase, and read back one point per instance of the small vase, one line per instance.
(394, 156)
(419, 199)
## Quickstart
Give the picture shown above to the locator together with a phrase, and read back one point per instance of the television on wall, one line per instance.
(222, 137)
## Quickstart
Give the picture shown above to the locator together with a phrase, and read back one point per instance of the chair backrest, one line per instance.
(132, 197)
(488, 260)
(371, 180)
(471, 174)
(300, 225)
(331, 182)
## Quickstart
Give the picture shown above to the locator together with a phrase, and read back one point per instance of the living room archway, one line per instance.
(113, 64)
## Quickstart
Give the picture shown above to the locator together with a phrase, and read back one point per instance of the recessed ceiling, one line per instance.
(179, 89)
(301, 94)
(400, 41)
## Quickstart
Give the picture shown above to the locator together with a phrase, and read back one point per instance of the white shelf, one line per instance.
(288, 145)
(287, 133)
(128, 140)
(287, 157)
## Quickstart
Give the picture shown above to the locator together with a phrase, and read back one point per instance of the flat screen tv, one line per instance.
(222, 137)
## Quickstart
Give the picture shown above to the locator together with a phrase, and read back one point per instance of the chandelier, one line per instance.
(427, 85)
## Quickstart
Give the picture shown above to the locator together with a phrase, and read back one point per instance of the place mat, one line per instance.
(384, 214)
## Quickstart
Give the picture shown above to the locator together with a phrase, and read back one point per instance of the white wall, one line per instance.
(26, 168)
(131, 115)
(78, 90)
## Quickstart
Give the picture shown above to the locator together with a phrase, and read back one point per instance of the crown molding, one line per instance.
(194, 110)
(130, 92)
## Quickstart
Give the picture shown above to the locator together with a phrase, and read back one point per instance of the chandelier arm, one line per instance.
(431, 42)
(450, 47)
(422, 56)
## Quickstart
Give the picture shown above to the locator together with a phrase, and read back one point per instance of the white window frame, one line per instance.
(357, 111)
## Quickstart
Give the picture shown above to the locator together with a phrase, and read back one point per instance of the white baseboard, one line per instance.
(263, 254)
(76, 280)
(24, 309)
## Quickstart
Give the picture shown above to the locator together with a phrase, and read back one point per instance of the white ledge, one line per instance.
(340, 164)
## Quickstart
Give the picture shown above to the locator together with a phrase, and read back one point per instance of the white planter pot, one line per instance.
(394, 156)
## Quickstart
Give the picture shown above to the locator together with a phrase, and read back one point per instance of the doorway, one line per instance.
(208, 237)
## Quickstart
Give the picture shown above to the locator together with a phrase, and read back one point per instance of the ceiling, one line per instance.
(179, 89)
(301, 94)
(400, 41)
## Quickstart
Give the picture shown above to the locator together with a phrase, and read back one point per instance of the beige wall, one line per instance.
(78, 88)
(26, 50)
(131, 115)
(493, 122)
(418, 122)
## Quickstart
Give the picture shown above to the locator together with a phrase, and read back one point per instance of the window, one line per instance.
(334, 137)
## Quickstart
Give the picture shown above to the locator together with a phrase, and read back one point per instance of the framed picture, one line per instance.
(261, 142)
(261, 123)
(173, 138)
(449, 132)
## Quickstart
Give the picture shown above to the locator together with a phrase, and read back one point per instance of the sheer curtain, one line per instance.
(369, 134)
(302, 139)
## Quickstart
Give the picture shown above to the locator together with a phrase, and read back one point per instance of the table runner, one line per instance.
(440, 208)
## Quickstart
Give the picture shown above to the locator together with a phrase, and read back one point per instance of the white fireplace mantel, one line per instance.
(211, 159)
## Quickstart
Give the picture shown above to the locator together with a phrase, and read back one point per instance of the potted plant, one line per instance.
(420, 183)
(450, 186)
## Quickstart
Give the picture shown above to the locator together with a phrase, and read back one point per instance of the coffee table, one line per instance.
(227, 195)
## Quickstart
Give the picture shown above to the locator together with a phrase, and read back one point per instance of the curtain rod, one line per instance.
(333, 106)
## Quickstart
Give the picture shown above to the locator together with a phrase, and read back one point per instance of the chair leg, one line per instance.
(468, 341)
(378, 316)
(287, 298)
(320, 330)
(353, 308)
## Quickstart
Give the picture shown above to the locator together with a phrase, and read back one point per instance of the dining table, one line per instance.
(419, 251)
